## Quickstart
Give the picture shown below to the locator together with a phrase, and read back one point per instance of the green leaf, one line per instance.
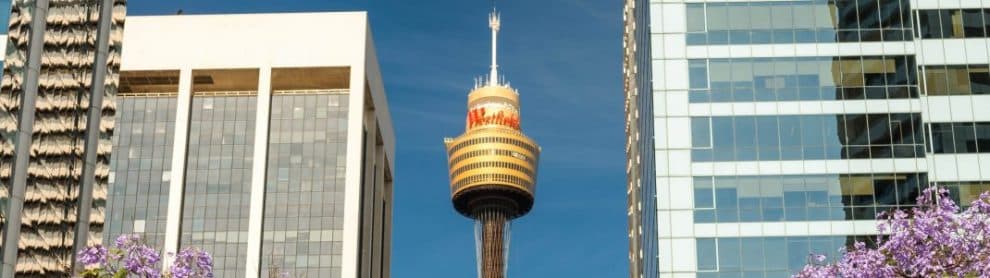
(120, 274)
(91, 273)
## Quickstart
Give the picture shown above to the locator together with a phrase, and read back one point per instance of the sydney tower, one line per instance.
(492, 166)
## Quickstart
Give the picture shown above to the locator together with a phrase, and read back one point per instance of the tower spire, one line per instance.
(494, 22)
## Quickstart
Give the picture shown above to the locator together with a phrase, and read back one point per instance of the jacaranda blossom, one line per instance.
(93, 256)
(933, 239)
(192, 262)
(129, 256)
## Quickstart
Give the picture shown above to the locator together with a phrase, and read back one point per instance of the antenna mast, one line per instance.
(494, 23)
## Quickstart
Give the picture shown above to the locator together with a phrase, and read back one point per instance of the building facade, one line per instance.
(264, 139)
(781, 128)
(56, 117)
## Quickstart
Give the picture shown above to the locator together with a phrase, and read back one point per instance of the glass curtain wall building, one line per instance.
(781, 128)
(275, 158)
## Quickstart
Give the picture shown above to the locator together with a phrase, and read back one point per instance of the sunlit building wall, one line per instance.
(781, 128)
(264, 139)
(60, 57)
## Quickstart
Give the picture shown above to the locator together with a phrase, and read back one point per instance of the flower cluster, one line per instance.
(933, 239)
(137, 258)
(129, 256)
(192, 262)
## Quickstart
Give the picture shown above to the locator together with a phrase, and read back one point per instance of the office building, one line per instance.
(264, 139)
(493, 166)
(56, 117)
(781, 128)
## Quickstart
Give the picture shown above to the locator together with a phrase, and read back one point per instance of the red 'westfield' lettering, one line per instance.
(478, 116)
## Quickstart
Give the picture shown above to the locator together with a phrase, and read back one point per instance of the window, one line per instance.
(957, 80)
(698, 74)
(955, 23)
(767, 256)
(966, 137)
(809, 137)
(707, 254)
(803, 78)
(725, 199)
(215, 173)
(141, 173)
(701, 136)
(964, 193)
(798, 22)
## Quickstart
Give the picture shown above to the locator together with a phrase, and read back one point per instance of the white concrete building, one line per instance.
(263, 138)
(781, 128)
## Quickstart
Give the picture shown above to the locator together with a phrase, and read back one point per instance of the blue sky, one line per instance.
(564, 56)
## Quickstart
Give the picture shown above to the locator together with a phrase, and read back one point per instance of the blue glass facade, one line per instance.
(789, 125)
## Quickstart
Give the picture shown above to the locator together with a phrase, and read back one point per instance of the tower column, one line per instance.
(176, 189)
(23, 139)
(493, 230)
(258, 173)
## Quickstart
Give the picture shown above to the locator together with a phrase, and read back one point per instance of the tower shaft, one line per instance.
(493, 233)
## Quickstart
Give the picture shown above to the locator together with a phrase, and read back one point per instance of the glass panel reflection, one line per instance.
(809, 137)
(962, 137)
(965, 192)
(948, 80)
(803, 197)
(768, 256)
(304, 188)
(953, 23)
(141, 167)
(786, 22)
(802, 78)
(218, 179)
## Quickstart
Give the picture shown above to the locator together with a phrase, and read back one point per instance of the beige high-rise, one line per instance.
(53, 165)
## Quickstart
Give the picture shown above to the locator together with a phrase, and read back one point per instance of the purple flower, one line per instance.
(933, 239)
(136, 257)
(192, 262)
(95, 256)
(126, 240)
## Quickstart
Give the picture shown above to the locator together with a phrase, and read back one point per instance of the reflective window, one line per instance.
(784, 22)
(957, 23)
(707, 254)
(957, 80)
(767, 256)
(140, 168)
(304, 188)
(803, 197)
(960, 137)
(809, 137)
(964, 193)
(802, 78)
(218, 179)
